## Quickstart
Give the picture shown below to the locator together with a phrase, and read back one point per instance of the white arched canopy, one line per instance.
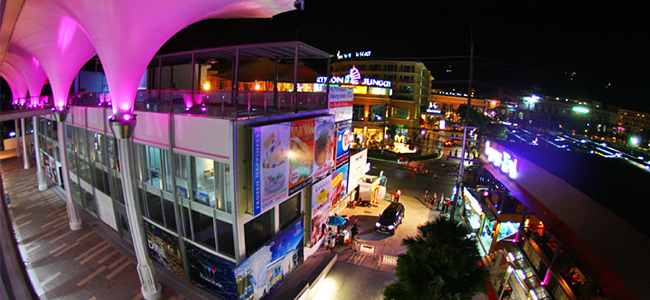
(16, 82)
(29, 67)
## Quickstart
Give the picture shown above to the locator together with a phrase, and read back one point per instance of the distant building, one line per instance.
(633, 122)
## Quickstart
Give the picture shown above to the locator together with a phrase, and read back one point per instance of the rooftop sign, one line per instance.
(354, 78)
(506, 161)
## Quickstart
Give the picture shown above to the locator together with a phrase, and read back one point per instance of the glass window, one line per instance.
(154, 208)
(377, 112)
(170, 216)
(111, 151)
(72, 163)
(84, 169)
(181, 172)
(203, 229)
(259, 231)
(100, 178)
(400, 113)
(95, 144)
(75, 190)
(203, 181)
(89, 202)
(289, 211)
(186, 222)
(357, 112)
(79, 141)
(117, 193)
(225, 238)
(69, 136)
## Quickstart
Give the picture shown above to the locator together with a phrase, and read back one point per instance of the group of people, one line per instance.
(442, 204)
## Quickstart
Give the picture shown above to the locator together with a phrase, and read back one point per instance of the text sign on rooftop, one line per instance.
(354, 78)
(506, 161)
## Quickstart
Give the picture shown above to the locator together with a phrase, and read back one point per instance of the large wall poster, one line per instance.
(324, 143)
(320, 208)
(343, 136)
(164, 248)
(340, 102)
(270, 165)
(358, 167)
(301, 154)
(262, 272)
(211, 273)
(339, 184)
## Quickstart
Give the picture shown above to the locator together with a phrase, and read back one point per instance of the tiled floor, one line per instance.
(65, 264)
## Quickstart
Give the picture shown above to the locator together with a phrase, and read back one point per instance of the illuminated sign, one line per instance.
(354, 78)
(340, 55)
(504, 160)
(581, 109)
(433, 111)
(472, 201)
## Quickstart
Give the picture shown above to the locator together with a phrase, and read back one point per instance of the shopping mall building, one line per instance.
(560, 225)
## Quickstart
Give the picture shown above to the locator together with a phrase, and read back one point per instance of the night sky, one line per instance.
(518, 45)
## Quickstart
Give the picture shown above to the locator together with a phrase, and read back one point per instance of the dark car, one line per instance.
(392, 217)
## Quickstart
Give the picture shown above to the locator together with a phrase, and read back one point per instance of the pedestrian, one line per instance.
(396, 196)
(426, 196)
(442, 199)
(355, 232)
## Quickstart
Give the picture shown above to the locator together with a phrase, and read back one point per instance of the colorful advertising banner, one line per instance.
(324, 143)
(339, 184)
(262, 272)
(340, 102)
(320, 208)
(211, 273)
(163, 248)
(270, 165)
(343, 136)
(357, 168)
(301, 154)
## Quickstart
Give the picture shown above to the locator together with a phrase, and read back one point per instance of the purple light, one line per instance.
(127, 117)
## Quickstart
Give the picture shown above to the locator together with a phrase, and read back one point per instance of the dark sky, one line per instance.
(518, 45)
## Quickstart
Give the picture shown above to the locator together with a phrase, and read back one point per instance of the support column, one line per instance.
(25, 153)
(42, 185)
(123, 131)
(73, 214)
(17, 138)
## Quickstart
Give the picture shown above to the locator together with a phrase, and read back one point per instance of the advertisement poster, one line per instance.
(270, 165)
(211, 273)
(339, 184)
(340, 102)
(301, 156)
(357, 169)
(324, 143)
(320, 208)
(343, 136)
(261, 273)
(163, 248)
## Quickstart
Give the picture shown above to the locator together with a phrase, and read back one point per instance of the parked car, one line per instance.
(391, 218)
(448, 143)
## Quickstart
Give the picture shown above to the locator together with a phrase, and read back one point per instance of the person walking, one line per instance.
(434, 199)
(426, 196)
(442, 199)
(355, 232)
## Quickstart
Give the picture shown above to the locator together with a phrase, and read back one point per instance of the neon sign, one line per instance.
(504, 160)
(354, 78)
(340, 55)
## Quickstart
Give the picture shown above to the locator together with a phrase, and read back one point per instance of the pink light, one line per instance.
(127, 117)
(67, 30)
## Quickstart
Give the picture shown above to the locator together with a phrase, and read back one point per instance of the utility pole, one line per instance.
(459, 181)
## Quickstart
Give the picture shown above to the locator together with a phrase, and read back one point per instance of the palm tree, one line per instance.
(441, 263)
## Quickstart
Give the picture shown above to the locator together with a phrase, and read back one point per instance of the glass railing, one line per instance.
(246, 104)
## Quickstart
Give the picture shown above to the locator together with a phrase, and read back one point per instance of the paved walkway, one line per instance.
(61, 263)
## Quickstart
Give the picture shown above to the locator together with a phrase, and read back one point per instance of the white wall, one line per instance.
(203, 136)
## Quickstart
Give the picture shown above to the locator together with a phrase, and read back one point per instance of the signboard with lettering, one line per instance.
(164, 249)
(343, 138)
(340, 103)
(211, 273)
(503, 159)
(354, 78)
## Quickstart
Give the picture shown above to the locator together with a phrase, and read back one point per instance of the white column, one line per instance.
(25, 154)
(73, 214)
(42, 185)
(17, 138)
(151, 289)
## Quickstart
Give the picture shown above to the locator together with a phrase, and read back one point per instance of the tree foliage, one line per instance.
(441, 263)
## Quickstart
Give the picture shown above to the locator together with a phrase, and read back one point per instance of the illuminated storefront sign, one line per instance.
(504, 160)
(340, 55)
(354, 78)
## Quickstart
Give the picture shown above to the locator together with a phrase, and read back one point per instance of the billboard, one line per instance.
(324, 143)
(211, 273)
(339, 184)
(343, 136)
(163, 248)
(288, 156)
(261, 273)
(301, 154)
(357, 168)
(270, 165)
(340, 102)
(320, 208)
